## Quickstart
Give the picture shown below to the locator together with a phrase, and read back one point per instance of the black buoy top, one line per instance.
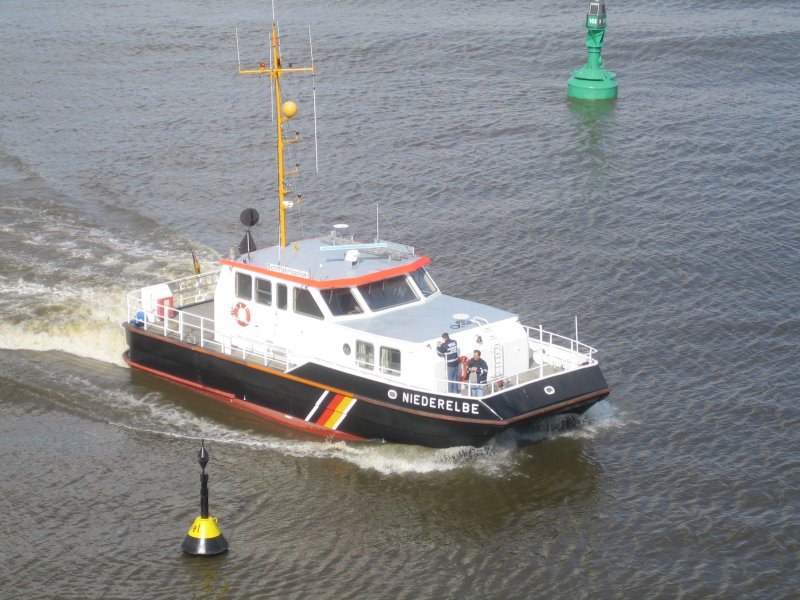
(202, 455)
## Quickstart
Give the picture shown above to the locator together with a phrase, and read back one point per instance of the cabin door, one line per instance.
(265, 311)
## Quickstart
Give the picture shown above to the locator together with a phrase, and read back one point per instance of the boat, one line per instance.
(343, 338)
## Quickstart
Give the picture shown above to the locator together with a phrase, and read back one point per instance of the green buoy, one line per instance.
(593, 82)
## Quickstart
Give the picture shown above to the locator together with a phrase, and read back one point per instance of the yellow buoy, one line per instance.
(204, 537)
(289, 109)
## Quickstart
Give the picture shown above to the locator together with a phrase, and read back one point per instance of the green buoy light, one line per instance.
(593, 82)
(204, 537)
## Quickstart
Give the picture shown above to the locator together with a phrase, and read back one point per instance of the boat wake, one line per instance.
(501, 457)
(105, 394)
(598, 418)
(64, 274)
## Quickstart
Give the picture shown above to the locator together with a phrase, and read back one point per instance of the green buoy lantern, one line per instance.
(593, 82)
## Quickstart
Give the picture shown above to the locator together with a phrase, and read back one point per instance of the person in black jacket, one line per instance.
(478, 370)
(449, 350)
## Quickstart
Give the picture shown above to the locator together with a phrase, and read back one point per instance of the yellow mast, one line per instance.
(285, 111)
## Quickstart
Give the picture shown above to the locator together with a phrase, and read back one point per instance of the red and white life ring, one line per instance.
(241, 313)
(463, 372)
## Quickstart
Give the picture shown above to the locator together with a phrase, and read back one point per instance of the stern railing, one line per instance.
(183, 321)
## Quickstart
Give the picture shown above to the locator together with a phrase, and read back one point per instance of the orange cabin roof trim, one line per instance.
(332, 283)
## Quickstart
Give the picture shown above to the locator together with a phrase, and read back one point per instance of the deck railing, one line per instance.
(184, 323)
(549, 354)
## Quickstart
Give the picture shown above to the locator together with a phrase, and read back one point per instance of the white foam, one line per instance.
(600, 418)
(152, 414)
(79, 321)
(80, 310)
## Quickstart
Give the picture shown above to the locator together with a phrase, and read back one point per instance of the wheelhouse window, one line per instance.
(390, 361)
(365, 355)
(424, 281)
(264, 291)
(341, 302)
(244, 286)
(283, 296)
(387, 293)
(304, 304)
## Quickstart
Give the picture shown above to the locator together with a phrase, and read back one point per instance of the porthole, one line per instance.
(549, 390)
(346, 349)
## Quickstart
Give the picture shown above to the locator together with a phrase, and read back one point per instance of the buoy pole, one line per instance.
(593, 81)
(204, 537)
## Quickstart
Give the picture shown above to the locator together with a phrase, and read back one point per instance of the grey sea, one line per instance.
(667, 222)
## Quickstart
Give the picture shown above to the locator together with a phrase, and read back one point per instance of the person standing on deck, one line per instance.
(478, 370)
(449, 350)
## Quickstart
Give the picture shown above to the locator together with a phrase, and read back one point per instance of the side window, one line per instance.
(304, 304)
(264, 291)
(282, 296)
(390, 361)
(365, 355)
(244, 286)
(423, 281)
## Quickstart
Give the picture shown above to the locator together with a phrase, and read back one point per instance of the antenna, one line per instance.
(314, 96)
(238, 56)
(377, 222)
(576, 329)
(272, 66)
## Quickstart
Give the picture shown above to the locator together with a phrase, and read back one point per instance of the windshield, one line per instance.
(341, 301)
(387, 293)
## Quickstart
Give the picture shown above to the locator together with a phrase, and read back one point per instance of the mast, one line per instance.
(285, 111)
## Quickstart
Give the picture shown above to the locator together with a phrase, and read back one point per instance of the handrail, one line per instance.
(556, 340)
(199, 331)
(188, 327)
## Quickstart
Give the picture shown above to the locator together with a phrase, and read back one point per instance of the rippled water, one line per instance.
(667, 222)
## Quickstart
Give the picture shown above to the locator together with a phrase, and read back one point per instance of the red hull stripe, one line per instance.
(336, 411)
(267, 413)
(326, 414)
(332, 283)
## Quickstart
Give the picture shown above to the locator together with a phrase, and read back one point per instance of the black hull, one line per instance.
(341, 405)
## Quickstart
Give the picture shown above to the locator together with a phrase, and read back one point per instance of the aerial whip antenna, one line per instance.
(314, 97)
(238, 56)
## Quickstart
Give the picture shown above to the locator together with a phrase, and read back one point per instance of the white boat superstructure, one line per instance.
(271, 308)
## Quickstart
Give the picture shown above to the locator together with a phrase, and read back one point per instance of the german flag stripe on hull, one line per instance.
(335, 411)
